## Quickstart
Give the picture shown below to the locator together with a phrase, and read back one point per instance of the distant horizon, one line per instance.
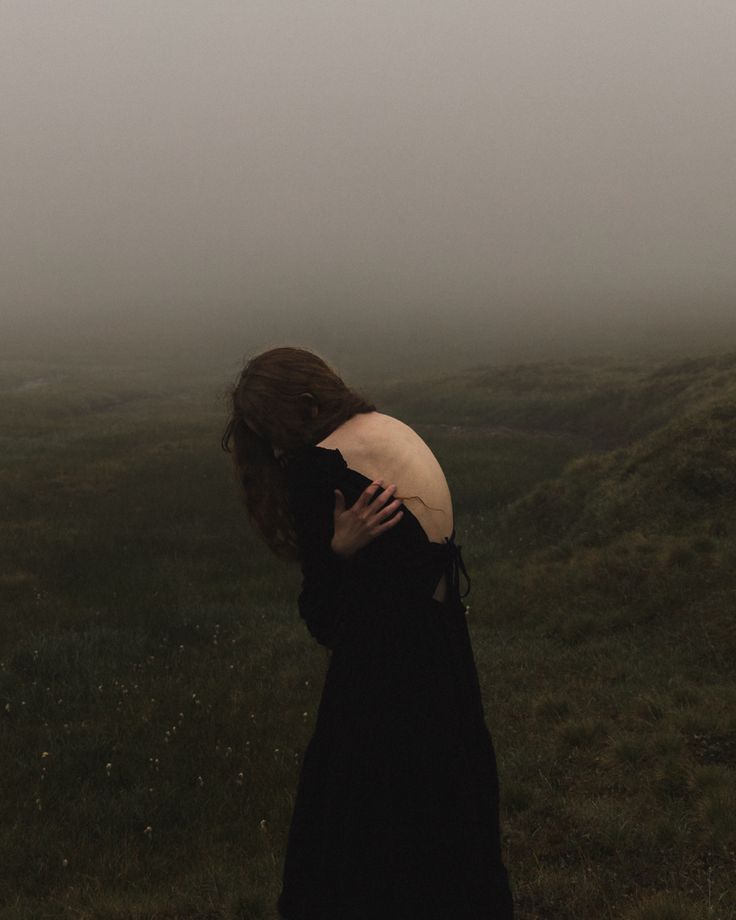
(365, 352)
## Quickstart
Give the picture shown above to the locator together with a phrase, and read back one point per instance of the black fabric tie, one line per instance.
(456, 560)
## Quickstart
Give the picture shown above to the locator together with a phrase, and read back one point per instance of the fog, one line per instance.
(492, 178)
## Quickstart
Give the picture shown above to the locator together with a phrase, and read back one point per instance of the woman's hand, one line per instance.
(365, 520)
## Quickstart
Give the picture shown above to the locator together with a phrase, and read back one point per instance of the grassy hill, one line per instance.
(646, 529)
(605, 399)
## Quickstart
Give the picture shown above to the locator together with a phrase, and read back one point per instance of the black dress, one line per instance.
(396, 808)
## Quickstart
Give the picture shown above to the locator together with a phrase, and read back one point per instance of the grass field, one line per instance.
(157, 688)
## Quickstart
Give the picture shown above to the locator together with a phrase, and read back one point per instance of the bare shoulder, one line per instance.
(374, 436)
(381, 446)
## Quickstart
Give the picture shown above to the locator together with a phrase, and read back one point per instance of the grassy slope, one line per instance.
(154, 674)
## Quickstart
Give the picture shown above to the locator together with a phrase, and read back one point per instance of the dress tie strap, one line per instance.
(456, 561)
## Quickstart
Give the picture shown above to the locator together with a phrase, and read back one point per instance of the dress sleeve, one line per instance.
(328, 582)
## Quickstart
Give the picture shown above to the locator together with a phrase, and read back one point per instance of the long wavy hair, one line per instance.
(286, 397)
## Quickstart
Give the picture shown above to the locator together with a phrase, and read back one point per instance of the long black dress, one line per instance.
(396, 809)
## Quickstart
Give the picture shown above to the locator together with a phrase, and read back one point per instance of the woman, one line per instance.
(396, 809)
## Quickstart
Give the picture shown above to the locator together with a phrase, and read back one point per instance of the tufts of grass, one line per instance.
(584, 733)
(628, 750)
(664, 905)
(551, 707)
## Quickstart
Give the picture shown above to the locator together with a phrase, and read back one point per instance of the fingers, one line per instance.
(387, 509)
(379, 507)
(383, 496)
(373, 501)
(372, 491)
(369, 496)
(390, 515)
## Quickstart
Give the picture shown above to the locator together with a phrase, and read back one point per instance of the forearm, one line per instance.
(326, 595)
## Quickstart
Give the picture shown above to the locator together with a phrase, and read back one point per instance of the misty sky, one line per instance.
(380, 156)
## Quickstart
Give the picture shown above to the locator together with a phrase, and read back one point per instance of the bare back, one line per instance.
(383, 447)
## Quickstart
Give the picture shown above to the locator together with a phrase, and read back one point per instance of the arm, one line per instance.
(327, 576)
(330, 538)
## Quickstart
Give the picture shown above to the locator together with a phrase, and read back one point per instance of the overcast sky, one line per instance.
(557, 158)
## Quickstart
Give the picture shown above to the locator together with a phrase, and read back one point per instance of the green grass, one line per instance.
(157, 688)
